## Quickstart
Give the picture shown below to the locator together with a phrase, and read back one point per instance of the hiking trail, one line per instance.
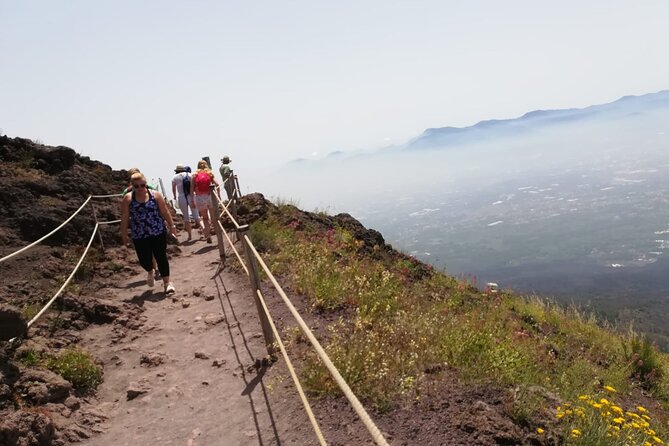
(189, 369)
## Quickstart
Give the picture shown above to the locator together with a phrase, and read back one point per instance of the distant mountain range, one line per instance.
(445, 137)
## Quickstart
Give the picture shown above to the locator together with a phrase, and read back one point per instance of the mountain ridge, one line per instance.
(439, 137)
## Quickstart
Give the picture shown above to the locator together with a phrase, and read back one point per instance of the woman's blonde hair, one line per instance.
(137, 176)
(203, 165)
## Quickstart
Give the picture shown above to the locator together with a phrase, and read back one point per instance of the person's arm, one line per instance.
(165, 212)
(125, 216)
(174, 188)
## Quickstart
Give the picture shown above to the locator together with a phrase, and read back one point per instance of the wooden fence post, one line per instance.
(215, 220)
(254, 278)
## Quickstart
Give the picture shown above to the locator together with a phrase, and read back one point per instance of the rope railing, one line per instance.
(232, 245)
(66, 283)
(291, 369)
(348, 393)
(225, 209)
(109, 222)
(25, 248)
(41, 239)
(355, 403)
(107, 196)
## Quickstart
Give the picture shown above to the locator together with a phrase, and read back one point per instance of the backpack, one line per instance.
(186, 183)
(202, 181)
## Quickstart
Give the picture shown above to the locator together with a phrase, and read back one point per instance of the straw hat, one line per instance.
(179, 168)
(226, 159)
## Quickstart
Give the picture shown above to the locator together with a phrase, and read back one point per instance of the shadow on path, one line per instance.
(147, 295)
(205, 249)
(260, 366)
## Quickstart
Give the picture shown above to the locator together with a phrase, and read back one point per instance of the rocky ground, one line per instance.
(186, 369)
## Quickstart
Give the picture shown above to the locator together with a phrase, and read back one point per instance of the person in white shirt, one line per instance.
(182, 183)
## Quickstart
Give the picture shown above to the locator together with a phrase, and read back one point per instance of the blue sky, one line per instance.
(156, 83)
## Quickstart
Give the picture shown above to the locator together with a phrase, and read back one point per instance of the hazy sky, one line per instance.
(154, 83)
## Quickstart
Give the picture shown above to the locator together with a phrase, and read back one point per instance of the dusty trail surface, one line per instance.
(188, 369)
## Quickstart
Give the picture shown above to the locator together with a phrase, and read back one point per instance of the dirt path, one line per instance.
(184, 372)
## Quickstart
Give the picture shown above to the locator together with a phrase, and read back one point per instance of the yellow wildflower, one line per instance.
(641, 409)
(610, 389)
(597, 406)
(645, 417)
(657, 440)
(584, 397)
(540, 431)
(619, 420)
(575, 433)
(617, 410)
(604, 401)
(645, 443)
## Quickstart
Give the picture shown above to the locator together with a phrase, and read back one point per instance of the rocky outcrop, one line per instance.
(27, 428)
(53, 183)
(12, 323)
(42, 386)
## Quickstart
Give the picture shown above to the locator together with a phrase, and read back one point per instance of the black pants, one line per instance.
(154, 246)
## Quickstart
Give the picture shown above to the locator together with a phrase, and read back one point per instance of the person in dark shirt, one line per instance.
(147, 213)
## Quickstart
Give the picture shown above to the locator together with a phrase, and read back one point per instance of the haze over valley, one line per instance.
(575, 208)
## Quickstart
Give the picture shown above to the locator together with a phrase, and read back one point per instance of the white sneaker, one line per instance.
(150, 279)
(169, 288)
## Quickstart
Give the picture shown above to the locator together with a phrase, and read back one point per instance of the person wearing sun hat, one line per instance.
(226, 174)
(181, 183)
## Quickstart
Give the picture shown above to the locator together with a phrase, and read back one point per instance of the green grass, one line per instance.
(74, 365)
(78, 367)
(402, 318)
(30, 311)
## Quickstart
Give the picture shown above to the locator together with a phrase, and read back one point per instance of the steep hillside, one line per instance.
(409, 339)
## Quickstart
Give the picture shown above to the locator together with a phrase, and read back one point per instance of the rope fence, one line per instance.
(355, 403)
(291, 369)
(107, 196)
(348, 393)
(25, 248)
(67, 282)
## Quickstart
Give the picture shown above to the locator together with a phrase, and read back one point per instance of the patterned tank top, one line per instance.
(145, 218)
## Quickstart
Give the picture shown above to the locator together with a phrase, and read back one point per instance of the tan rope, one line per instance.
(109, 222)
(357, 406)
(233, 248)
(15, 253)
(291, 369)
(106, 196)
(81, 259)
(229, 214)
(225, 208)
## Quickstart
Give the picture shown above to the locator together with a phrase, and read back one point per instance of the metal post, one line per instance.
(95, 216)
(239, 191)
(214, 222)
(162, 187)
(267, 332)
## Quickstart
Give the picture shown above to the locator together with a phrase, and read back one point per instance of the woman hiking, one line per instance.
(202, 178)
(147, 213)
